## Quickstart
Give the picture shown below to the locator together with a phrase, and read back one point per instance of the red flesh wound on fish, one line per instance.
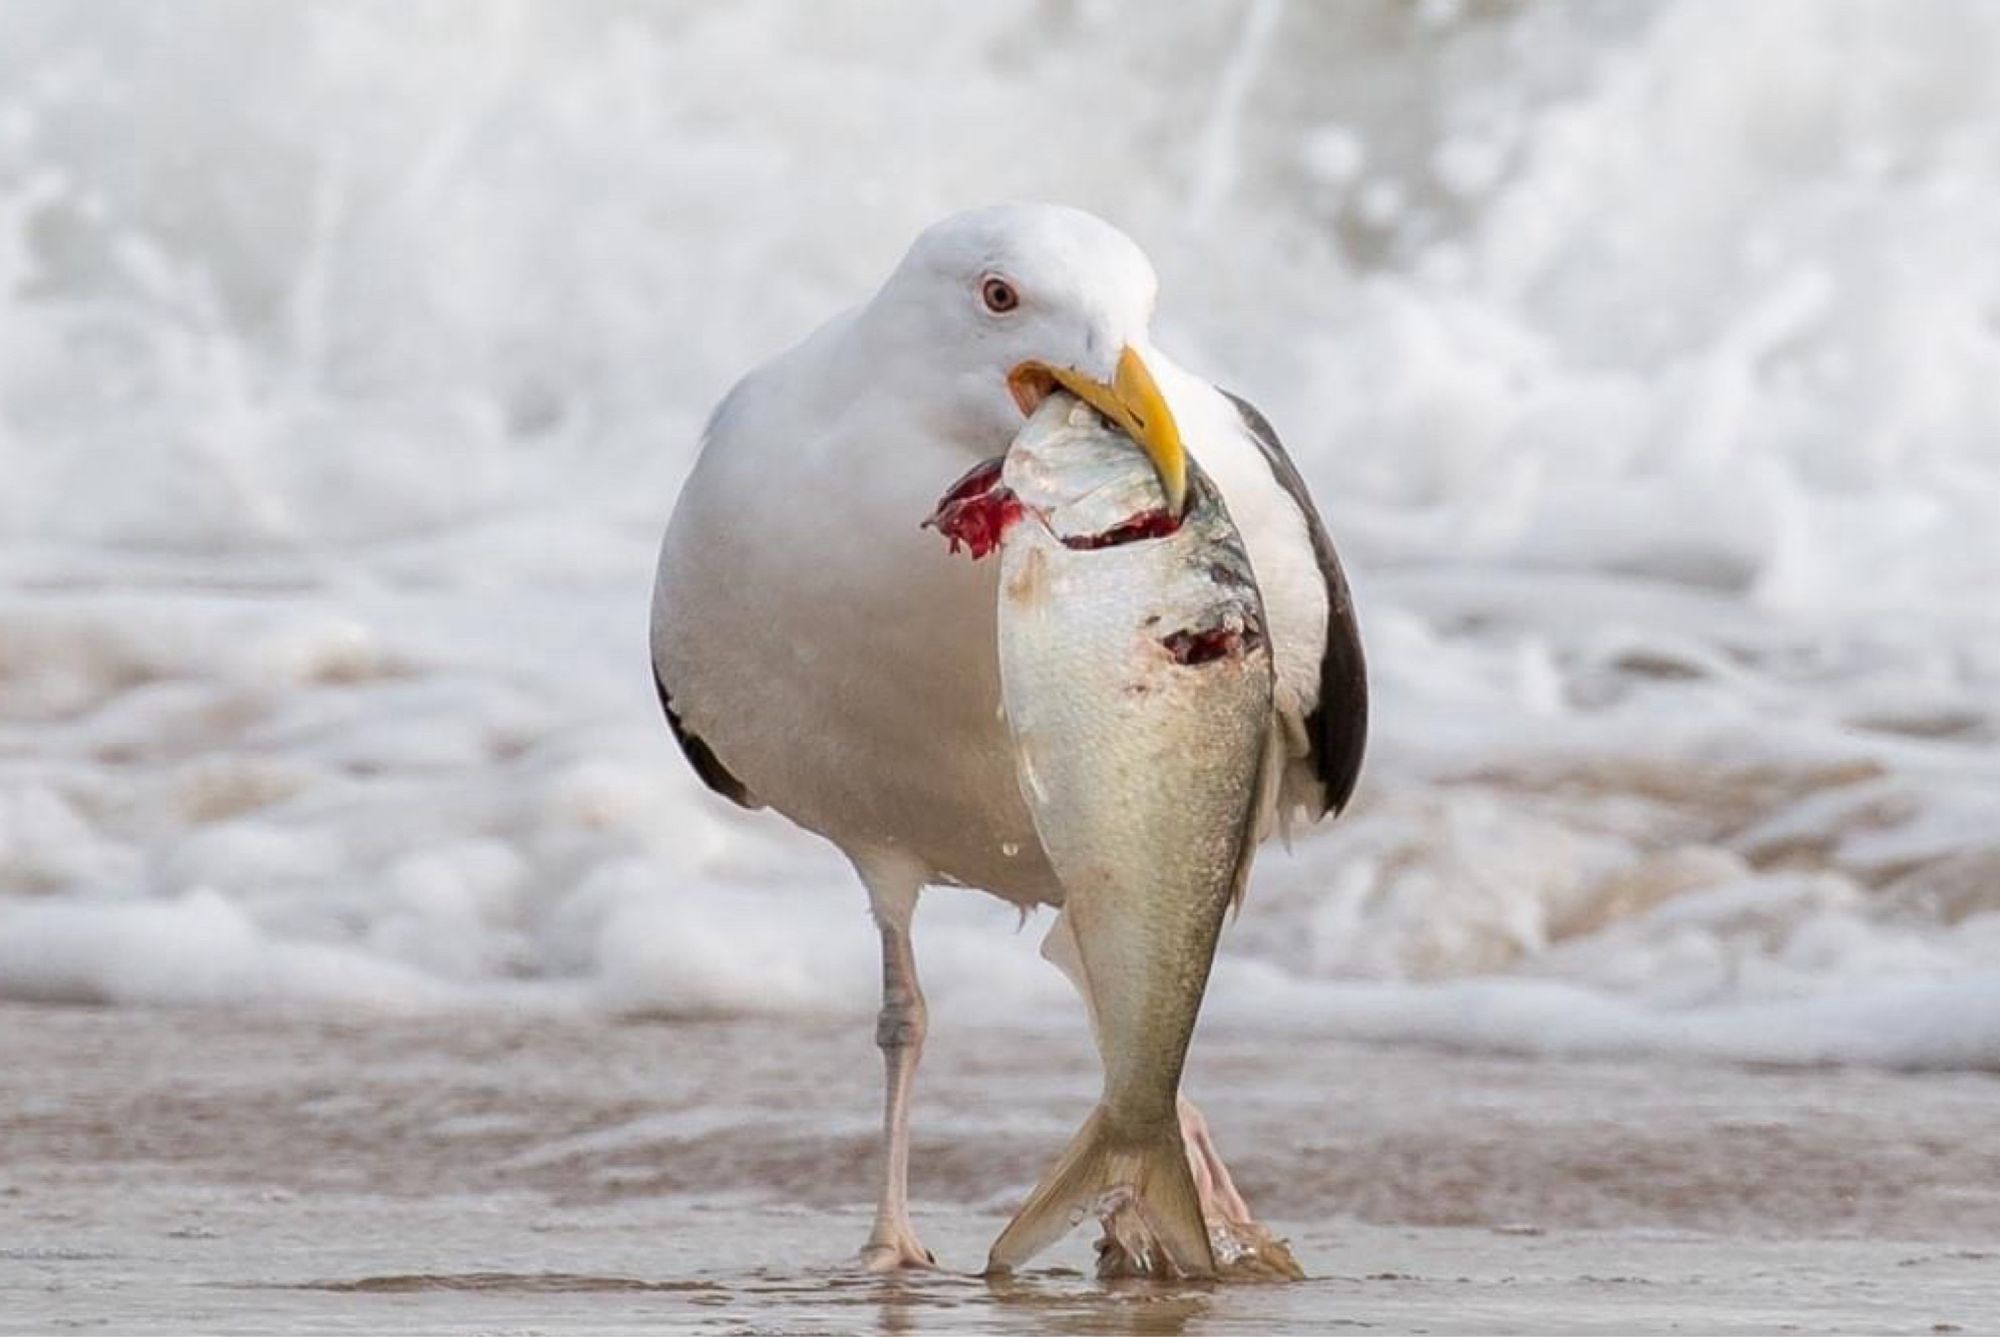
(1205, 645)
(1144, 525)
(976, 511)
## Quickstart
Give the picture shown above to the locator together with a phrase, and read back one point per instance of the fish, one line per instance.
(1136, 681)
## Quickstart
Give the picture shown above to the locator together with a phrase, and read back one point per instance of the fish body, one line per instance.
(1136, 678)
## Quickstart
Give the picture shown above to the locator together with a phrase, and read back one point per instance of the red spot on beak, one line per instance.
(976, 510)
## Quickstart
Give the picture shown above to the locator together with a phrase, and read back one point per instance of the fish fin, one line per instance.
(1145, 1170)
(1059, 949)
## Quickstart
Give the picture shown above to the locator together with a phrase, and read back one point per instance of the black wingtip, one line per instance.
(699, 754)
(1337, 725)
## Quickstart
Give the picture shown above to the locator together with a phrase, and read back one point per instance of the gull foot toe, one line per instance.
(896, 1253)
(1246, 1251)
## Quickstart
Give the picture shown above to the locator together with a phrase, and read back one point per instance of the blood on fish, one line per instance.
(1205, 645)
(1155, 524)
(976, 510)
(981, 477)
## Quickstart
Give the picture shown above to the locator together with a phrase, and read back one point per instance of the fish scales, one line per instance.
(1137, 680)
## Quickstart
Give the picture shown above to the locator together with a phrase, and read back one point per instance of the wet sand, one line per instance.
(207, 1172)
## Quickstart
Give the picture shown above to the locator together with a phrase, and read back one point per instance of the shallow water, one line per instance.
(178, 1172)
(1446, 1282)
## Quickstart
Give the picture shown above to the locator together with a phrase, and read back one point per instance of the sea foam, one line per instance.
(1644, 362)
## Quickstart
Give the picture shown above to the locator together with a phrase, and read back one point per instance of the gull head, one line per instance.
(994, 308)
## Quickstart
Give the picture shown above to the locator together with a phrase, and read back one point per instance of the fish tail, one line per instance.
(1148, 1164)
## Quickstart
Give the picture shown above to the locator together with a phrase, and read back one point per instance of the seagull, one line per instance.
(815, 653)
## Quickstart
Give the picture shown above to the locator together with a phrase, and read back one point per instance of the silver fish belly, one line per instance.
(1137, 682)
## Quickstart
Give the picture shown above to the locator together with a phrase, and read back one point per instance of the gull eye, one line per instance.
(998, 295)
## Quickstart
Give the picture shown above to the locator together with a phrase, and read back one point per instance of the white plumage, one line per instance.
(819, 653)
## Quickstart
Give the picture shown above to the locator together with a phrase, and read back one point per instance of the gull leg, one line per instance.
(1219, 1198)
(1243, 1247)
(893, 884)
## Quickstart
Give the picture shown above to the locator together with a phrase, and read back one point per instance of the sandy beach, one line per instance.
(199, 1171)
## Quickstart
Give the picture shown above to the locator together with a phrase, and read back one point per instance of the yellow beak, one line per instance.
(1134, 404)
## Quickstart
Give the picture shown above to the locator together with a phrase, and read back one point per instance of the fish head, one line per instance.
(1085, 480)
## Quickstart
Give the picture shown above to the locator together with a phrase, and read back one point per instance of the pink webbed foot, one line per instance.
(1244, 1249)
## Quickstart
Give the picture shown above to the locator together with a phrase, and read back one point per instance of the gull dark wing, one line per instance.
(700, 756)
(1337, 727)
